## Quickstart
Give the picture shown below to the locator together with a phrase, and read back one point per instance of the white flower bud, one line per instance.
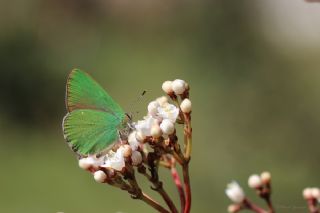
(315, 193)
(140, 136)
(100, 176)
(307, 193)
(167, 127)
(162, 100)
(178, 86)
(136, 158)
(186, 106)
(265, 177)
(167, 87)
(153, 108)
(235, 192)
(127, 151)
(233, 208)
(84, 164)
(254, 181)
(156, 131)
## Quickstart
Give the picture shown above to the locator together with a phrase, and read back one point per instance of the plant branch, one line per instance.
(147, 199)
(187, 186)
(312, 205)
(177, 181)
(153, 160)
(249, 205)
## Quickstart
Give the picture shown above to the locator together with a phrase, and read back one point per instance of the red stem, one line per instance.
(187, 187)
(249, 205)
(177, 181)
(312, 204)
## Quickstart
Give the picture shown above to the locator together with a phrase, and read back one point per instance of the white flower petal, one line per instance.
(153, 108)
(132, 140)
(168, 111)
(144, 126)
(115, 160)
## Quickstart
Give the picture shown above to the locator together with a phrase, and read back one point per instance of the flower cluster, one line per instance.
(261, 184)
(312, 196)
(152, 143)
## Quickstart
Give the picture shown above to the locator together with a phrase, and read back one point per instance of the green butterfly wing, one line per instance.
(94, 117)
(90, 131)
(85, 93)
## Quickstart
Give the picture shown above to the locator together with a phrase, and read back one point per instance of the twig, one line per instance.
(249, 205)
(312, 205)
(154, 179)
(146, 198)
(187, 187)
(177, 181)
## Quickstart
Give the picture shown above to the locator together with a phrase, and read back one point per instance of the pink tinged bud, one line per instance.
(156, 131)
(235, 192)
(127, 151)
(178, 86)
(167, 87)
(186, 106)
(153, 108)
(254, 181)
(100, 176)
(307, 193)
(136, 158)
(315, 193)
(265, 177)
(167, 127)
(233, 208)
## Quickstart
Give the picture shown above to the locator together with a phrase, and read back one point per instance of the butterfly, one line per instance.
(94, 122)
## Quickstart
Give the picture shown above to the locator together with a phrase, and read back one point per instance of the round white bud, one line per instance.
(265, 177)
(84, 163)
(315, 193)
(178, 86)
(156, 131)
(127, 151)
(136, 158)
(100, 176)
(307, 193)
(254, 181)
(167, 87)
(186, 106)
(153, 108)
(162, 100)
(167, 127)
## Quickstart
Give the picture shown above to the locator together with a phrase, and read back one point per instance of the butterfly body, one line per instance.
(94, 121)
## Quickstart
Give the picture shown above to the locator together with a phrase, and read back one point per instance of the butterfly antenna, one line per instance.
(134, 103)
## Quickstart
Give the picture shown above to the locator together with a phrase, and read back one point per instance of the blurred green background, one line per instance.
(253, 68)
